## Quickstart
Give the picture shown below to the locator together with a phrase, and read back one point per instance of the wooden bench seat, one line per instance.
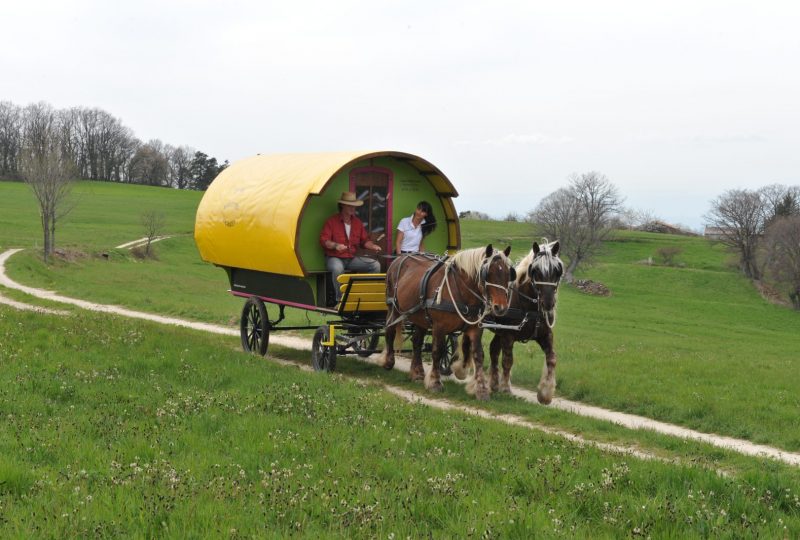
(367, 292)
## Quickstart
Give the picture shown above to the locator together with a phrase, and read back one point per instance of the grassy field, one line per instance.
(692, 344)
(115, 427)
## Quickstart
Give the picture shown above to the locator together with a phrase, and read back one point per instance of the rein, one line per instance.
(482, 283)
(550, 324)
(458, 311)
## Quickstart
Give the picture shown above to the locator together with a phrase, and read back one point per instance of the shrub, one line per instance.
(668, 254)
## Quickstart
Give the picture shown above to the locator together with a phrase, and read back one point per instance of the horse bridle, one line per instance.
(538, 295)
(482, 284)
(484, 276)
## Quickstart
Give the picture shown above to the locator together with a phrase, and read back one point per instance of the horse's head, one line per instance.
(495, 276)
(545, 272)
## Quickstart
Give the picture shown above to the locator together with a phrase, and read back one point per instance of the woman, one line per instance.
(412, 230)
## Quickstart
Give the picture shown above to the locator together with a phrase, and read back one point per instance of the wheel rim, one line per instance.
(446, 359)
(368, 342)
(254, 337)
(255, 327)
(322, 356)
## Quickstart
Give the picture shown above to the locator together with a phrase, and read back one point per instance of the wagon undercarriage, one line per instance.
(356, 330)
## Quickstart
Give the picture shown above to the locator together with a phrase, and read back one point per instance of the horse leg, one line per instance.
(433, 381)
(494, 355)
(477, 386)
(457, 365)
(463, 358)
(417, 372)
(388, 351)
(547, 384)
(508, 362)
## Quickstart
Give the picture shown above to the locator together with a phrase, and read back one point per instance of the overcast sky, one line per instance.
(674, 101)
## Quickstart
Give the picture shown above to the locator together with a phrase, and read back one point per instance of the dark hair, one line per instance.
(430, 220)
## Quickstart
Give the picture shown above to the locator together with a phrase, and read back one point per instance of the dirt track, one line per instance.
(623, 419)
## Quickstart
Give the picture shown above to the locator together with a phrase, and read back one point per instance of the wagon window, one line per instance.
(372, 187)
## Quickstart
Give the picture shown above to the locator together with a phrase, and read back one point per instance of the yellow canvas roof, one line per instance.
(252, 208)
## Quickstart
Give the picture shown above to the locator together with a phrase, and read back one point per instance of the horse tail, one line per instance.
(398, 338)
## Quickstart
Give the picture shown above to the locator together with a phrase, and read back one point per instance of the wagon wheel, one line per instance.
(446, 361)
(367, 344)
(323, 357)
(254, 326)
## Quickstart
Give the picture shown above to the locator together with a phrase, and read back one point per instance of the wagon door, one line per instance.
(373, 185)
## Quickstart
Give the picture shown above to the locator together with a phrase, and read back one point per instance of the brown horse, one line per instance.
(446, 296)
(533, 302)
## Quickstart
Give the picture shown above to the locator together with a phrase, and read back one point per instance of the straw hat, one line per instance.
(349, 198)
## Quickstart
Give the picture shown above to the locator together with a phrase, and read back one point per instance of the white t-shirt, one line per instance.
(412, 236)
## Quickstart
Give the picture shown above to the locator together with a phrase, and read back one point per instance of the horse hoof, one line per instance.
(416, 376)
(504, 389)
(437, 387)
(388, 366)
(482, 396)
(543, 398)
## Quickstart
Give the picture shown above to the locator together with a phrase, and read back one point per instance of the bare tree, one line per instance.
(149, 165)
(180, 165)
(638, 218)
(783, 254)
(580, 216)
(780, 201)
(668, 254)
(46, 168)
(739, 215)
(10, 137)
(153, 223)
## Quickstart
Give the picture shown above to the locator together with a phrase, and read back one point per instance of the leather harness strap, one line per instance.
(429, 303)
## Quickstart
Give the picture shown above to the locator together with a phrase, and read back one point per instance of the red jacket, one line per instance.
(334, 230)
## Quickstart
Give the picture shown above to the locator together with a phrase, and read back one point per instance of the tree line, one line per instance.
(98, 146)
(763, 227)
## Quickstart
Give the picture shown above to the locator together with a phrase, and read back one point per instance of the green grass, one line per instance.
(113, 427)
(692, 344)
(103, 214)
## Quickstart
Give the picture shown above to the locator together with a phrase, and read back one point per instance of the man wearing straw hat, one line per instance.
(341, 235)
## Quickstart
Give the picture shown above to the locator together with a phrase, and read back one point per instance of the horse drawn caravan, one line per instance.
(260, 220)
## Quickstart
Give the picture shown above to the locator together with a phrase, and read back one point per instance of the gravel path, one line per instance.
(623, 419)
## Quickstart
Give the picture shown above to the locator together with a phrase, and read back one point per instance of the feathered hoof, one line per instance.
(459, 371)
(417, 375)
(503, 388)
(434, 386)
(482, 394)
(471, 386)
(387, 363)
(432, 382)
(545, 391)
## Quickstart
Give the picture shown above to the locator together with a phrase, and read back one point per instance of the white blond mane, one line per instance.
(471, 262)
(547, 263)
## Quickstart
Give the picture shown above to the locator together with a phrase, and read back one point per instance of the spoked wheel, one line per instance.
(367, 344)
(446, 361)
(449, 354)
(254, 326)
(323, 357)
